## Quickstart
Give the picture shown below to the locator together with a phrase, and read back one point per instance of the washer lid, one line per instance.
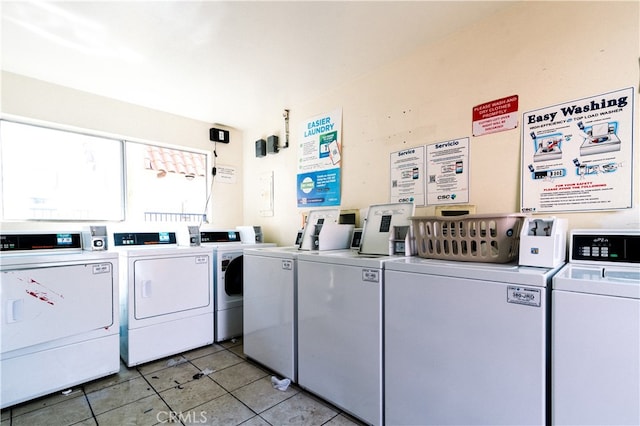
(509, 273)
(348, 257)
(286, 252)
(621, 281)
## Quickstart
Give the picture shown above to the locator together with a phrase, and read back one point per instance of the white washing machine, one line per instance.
(596, 330)
(166, 297)
(340, 317)
(270, 310)
(466, 343)
(228, 278)
(59, 314)
(270, 292)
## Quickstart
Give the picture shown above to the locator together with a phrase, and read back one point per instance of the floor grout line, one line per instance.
(11, 418)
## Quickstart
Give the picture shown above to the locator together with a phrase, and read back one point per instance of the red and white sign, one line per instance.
(495, 116)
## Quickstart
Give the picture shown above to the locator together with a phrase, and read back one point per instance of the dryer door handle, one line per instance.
(146, 288)
(14, 310)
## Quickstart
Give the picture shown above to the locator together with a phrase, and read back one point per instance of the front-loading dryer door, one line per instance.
(167, 285)
(234, 277)
(44, 304)
(229, 284)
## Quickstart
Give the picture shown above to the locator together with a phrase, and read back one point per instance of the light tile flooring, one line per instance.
(173, 391)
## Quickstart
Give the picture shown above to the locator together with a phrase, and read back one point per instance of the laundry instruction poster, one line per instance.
(319, 157)
(448, 172)
(578, 156)
(407, 176)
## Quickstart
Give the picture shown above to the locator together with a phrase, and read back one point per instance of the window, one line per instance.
(50, 174)
(166, 184)
(53, 174)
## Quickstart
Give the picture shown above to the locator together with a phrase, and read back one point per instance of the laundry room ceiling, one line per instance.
(226, 62)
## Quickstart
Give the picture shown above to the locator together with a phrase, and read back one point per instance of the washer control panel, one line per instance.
(606, 246)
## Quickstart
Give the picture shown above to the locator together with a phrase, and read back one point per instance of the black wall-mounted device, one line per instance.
(261, 148)
(218, 135)
(272, 144)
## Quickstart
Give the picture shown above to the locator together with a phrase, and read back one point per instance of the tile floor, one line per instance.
(236, 392)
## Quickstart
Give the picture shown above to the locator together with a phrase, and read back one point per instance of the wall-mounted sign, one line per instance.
(578, 156)
(407, 176)
(448, 172)
(226, 174)
(495, 116)
(319, 156)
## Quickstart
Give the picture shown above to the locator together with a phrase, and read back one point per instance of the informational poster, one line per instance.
(578, 156)
(407, 176)
(226, 174)
(319, 156)
(495, 116)
(448, 172)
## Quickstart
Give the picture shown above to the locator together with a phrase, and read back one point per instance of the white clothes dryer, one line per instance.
(166, 297)
(466, 343)
(228, 280)
(596, 330)
(59, 314)
(229, 288)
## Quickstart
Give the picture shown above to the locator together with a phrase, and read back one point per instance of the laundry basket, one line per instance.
(472, 238)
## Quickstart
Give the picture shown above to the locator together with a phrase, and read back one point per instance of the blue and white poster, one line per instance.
(578, 155)
(319, 157)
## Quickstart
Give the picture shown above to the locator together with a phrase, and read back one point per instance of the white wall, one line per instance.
(544, 52)
(38, 100)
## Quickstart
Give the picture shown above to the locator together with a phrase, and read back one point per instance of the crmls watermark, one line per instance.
(178, 416)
